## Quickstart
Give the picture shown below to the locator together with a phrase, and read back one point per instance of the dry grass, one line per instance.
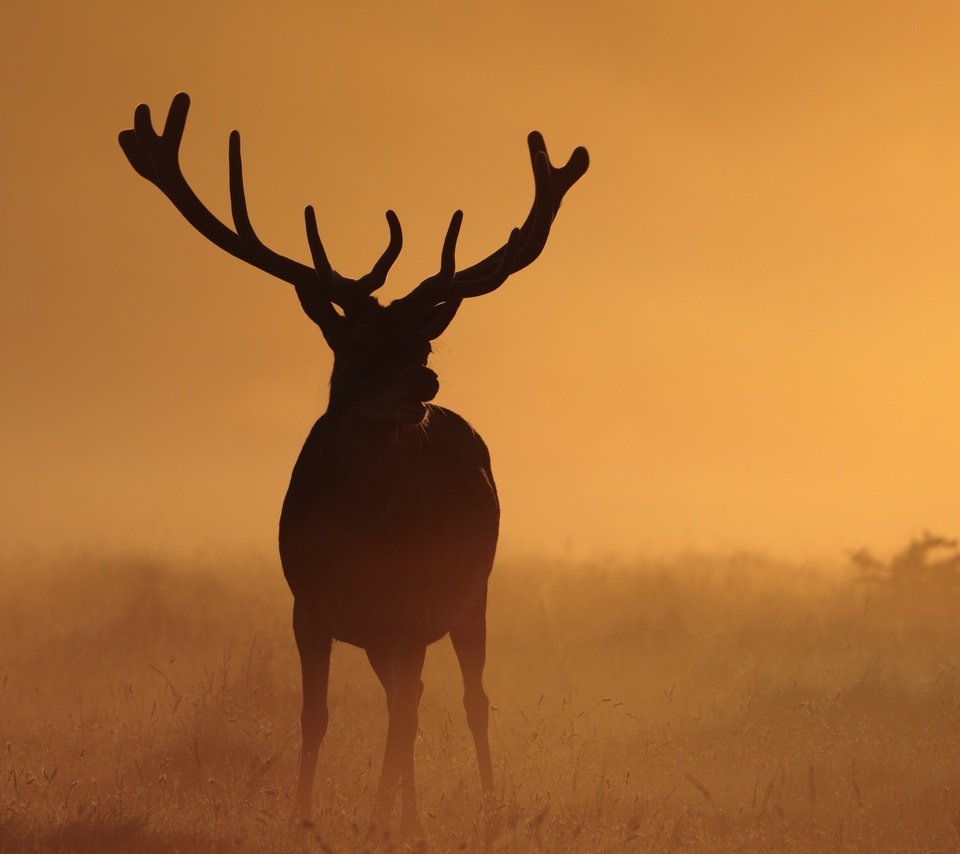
(706, 705)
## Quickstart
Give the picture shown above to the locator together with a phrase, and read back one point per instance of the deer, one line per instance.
(389, 527)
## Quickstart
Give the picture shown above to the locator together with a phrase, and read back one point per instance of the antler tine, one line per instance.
(448, 255)
(526, 243)
(320, 262)
(176, 120)
(238, 197)
(550, 186)
(341, 290)
(315, 301)
(521, 248)
(432, 289)
(156, 157)
(506, 268)
(378, 275)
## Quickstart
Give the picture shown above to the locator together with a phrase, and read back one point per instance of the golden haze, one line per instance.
(741, 333)
(693, 706)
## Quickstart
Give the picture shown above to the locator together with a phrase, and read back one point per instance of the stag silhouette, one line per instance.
(390, 523)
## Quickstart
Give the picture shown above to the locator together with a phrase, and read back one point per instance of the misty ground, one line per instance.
(705, 704)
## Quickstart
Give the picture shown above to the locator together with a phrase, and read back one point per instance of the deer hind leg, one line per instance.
(399, 667)
(379, 659)
(313, 643)
(470, 644)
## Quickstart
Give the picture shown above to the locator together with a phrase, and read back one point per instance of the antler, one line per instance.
(522, 248)
(156, 158)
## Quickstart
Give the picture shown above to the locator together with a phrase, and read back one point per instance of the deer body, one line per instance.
(389, 526)
(390, 531)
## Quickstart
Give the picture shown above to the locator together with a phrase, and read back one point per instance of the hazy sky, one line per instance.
(741, 333)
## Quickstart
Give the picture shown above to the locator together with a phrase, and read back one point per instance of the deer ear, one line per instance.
(438, 318)
(322, 312)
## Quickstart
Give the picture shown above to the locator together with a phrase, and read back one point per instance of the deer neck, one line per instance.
(358, 437)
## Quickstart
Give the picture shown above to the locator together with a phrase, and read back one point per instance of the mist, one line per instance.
(739, 336)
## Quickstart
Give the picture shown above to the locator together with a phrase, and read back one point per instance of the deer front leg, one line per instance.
(470, 644)
(313, 643)
(406, 665)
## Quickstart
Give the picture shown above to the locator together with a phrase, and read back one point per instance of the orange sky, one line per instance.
(741, 333)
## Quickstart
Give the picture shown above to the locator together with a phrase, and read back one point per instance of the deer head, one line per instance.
(380, 352)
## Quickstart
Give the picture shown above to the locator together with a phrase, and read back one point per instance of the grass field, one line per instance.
(706, 704)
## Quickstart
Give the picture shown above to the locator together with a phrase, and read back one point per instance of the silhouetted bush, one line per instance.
(927, 563)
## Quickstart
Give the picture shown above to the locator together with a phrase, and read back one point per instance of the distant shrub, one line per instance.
(927, 562)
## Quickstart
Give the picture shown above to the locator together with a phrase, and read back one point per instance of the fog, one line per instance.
(740, 334)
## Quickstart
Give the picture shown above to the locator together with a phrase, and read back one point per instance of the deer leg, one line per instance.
(382, 664)
(406, 665)
(314, 644)
(470, 644)
(379, 659)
